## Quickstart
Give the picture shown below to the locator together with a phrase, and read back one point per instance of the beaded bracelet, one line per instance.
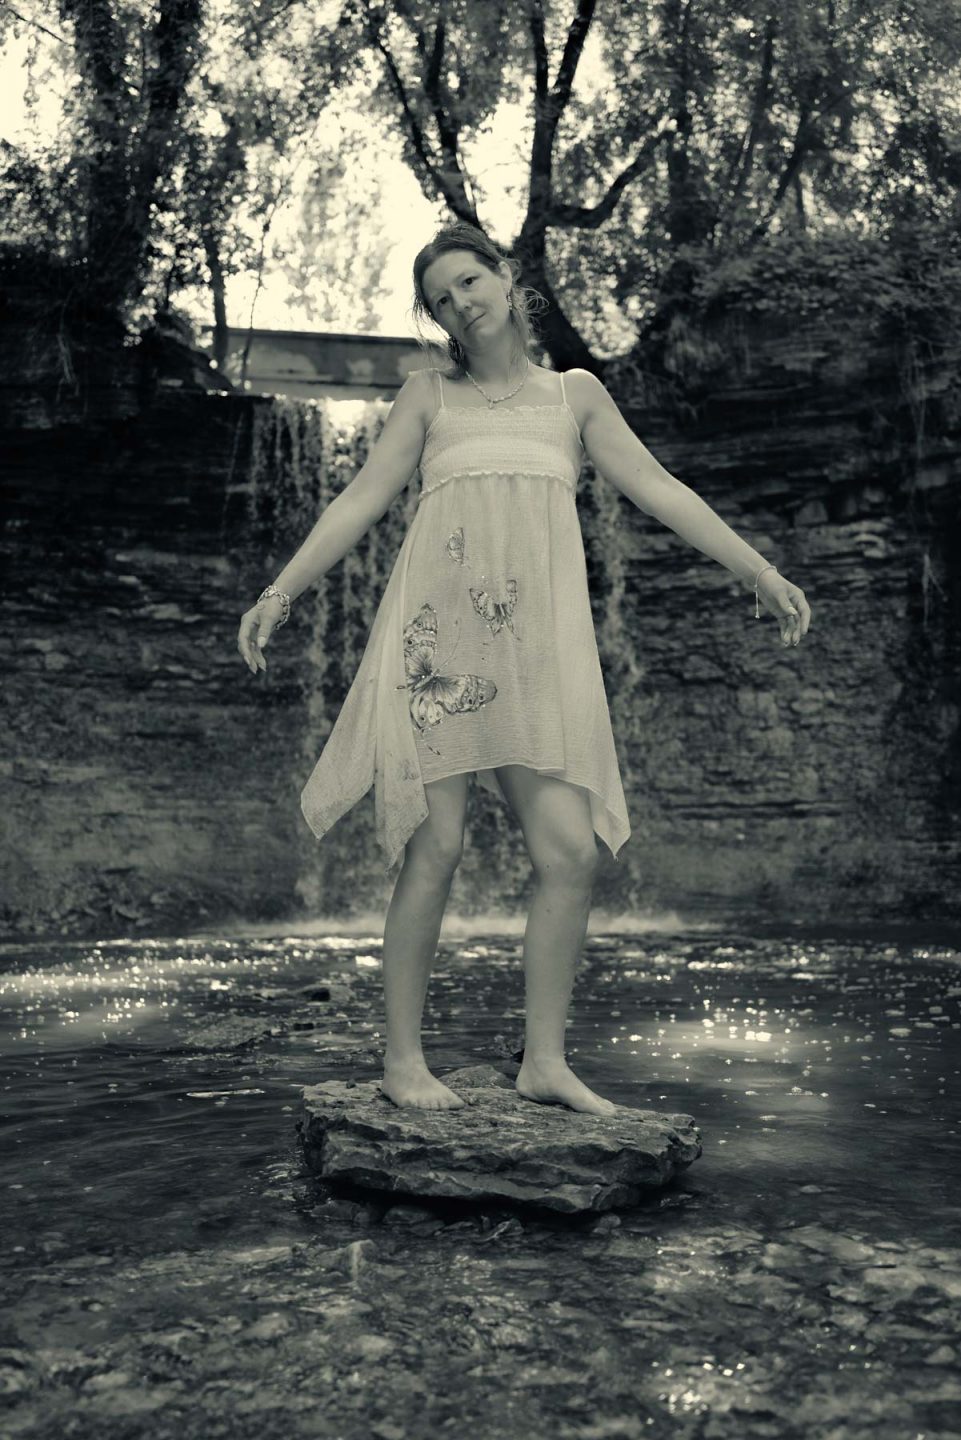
(757, 611)
(284, 600)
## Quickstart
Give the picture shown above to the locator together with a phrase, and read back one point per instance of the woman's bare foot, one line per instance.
(410, 1085)
(553, 1082)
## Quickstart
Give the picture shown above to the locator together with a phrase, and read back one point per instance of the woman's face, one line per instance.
(465, 297)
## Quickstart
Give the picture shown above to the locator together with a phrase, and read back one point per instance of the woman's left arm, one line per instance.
(616, 453)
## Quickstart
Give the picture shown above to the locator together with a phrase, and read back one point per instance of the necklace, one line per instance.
(493, 400)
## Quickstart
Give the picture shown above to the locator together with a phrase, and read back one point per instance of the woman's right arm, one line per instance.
(384, 474)
(376, 485)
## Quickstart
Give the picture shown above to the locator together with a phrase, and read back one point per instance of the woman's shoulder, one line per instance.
(585, 379)
(417, 396)
(430, 380)
(586, 387)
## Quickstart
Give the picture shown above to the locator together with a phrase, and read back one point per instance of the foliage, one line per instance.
(673, 156)
(715, 127)
(257, 140)
(903, 274)
(895, 294)
(179, 139)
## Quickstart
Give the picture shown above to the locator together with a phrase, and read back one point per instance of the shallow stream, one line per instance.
(171, 1270)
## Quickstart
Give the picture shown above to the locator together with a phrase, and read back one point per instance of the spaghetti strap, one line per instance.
(440, 384)
(563, 391)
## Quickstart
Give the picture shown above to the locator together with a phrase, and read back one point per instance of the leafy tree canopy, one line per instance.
(713, 153)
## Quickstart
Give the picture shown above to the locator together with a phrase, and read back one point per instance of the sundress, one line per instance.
(482, 651)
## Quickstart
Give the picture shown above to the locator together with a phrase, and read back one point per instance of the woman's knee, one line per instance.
(573, 860)
(437, 845)
(555, 816)
(441, 851)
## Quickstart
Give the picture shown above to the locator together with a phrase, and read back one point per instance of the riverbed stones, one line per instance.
(498, 1145)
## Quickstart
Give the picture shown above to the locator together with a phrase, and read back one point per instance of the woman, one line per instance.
(482, 657)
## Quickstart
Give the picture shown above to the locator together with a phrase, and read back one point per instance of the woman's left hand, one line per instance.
(787, 603)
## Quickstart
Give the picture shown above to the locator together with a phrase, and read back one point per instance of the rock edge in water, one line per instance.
(498, 1145)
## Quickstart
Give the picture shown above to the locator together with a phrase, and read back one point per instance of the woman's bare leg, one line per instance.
(555, 817)
(411, 932)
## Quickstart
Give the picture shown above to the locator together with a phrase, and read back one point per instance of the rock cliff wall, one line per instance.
(149, 781)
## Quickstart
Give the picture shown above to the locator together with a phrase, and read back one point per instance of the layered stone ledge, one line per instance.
(497, 1146)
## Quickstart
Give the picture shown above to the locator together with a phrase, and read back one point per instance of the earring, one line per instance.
(510, 302)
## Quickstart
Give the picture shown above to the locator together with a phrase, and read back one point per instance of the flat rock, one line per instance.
(496, 1146)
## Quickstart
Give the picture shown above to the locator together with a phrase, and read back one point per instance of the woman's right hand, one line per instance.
(255, 630)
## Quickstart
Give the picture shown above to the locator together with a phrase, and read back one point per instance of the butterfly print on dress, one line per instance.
(497, 613)
(432, 694)
(455, 546)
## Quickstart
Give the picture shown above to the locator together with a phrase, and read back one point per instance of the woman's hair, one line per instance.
(461, 236)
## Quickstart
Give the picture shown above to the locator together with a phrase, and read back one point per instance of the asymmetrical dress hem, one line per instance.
(482, 651)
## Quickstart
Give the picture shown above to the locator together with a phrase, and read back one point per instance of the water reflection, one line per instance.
(162, 1238)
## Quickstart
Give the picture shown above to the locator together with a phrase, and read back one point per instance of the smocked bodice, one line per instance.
(475, 440)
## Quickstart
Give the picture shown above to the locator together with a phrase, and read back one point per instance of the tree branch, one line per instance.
(35, 23)
(539, 46)
(433, 59)
(175, 35)
(590, 217)
(432, 174)
(804, 137)
(573, 48)
(447, 130)
(759, 108)
(799, 149)
(549, 106)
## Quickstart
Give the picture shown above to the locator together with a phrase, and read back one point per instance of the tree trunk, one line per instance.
(218, 290)
(562, 342)
(133, 149)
